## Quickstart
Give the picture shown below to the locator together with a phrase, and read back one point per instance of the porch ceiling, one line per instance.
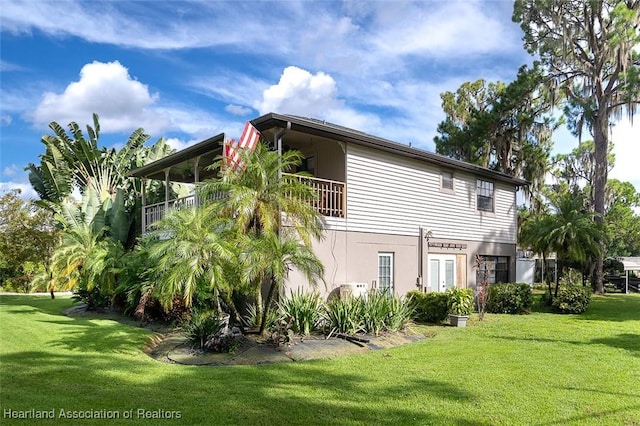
(181, 164)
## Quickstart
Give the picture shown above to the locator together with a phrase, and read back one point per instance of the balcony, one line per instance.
(331, 201)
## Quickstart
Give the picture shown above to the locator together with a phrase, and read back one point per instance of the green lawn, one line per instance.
(539, 369)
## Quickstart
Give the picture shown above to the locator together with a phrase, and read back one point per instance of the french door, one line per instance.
(442, 272)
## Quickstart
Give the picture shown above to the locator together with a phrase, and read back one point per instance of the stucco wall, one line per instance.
(353, 257)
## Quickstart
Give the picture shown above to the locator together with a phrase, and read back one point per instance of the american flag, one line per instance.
(248, 141)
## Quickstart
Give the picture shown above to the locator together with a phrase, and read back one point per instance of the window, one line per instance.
(308, 165)
(484, 194)
(496, 269)
(385, 272)
(447, 180)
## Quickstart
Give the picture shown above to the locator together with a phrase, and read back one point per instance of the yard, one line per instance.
(539, 369)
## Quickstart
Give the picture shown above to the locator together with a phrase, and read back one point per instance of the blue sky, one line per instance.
(189, 70)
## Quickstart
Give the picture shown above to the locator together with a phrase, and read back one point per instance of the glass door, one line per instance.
(442, 272)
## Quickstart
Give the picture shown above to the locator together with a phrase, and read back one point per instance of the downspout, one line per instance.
(420, 279)
(278, 140)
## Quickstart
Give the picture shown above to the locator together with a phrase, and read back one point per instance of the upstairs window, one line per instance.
(484, 195)
(446, 181)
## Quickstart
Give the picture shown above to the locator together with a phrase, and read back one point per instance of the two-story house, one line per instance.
(397, 217)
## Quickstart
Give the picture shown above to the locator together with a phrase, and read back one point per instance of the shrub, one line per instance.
(207, 331)
(344, 315)
(572, 299)
(201, 325)
(94, 299)
(459, 301)
(304, 308)
(428, 307)
(510, 298)
(375, 312)
(252, 319)
(399, 314)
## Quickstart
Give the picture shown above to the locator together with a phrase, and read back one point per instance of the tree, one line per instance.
(622, 223)
(192, 251)
(109, 195)
(86, 260)
(567, 229)
(27, 235)
(257, 197)
(502, 127)
(587, 50)
(459, 136)
(271, 256)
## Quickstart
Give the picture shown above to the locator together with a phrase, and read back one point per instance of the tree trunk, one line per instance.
(226, 296)
(51, 286)
(258, 305)
(601, 141)
(267, 303)
(559, 267)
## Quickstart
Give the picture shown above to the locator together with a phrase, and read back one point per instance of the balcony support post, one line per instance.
(144, 205)
(166, 191)
(196, 180)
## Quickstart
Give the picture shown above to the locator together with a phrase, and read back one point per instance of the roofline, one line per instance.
(322, 128)
(188, 153)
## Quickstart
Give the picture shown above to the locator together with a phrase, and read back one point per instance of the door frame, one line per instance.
(391, 270)
(441, 257)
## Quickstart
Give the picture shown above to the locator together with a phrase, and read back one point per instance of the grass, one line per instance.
(539, 369)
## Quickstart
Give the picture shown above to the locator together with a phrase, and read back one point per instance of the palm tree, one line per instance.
(259, 198)
(570, 230)
(192, 252)
(72, 161)
(589, 51)
(271, 256)
(86, 259)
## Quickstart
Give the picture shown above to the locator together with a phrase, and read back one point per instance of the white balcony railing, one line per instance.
(155, 212)
(331, 200)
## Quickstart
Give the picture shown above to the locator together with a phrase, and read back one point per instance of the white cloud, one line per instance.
(107, 89)
(232, 87)
(8, 66)
(237, 110)
(301, 93)
(179, 144)
(10, 170)
(5, 119)
(26, 191)
(448, 29)
(373, 37)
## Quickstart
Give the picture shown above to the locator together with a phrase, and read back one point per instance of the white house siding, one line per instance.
(391, 194)
(388, 198)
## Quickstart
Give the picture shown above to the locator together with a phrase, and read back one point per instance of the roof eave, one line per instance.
(171, 160)
(343, 134)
